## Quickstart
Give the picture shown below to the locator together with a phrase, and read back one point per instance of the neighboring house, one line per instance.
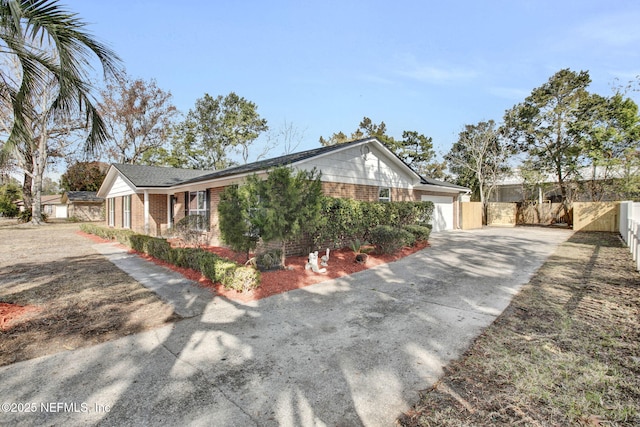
(590, 185)
(53, 207)
(151, 200)
(84, 205)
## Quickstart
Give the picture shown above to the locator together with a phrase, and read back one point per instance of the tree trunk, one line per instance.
(484, 204)
(27, 196)
(283, 256)
(39, 166)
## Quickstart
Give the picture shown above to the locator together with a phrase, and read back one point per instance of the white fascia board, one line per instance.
(441, 189)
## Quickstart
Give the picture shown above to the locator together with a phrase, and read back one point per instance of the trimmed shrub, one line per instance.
(138, 242)
(158, 248)
(420, 232)
(270, 260)
(389, 239)
(409, 238)
(122, 236)
(373, 215)
(346, 219)
(242, 279)
(212, 266)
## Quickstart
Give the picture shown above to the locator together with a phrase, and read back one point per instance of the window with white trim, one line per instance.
(384, 194)
(198, 208)
(126, 212)
(111, 202)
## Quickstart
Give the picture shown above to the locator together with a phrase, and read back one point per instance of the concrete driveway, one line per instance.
(347, 352)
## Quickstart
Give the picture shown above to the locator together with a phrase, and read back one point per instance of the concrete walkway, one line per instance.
(351, 351)
(184, 295)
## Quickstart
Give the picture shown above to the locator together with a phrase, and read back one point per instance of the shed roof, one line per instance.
(81, 196)
(158, 176)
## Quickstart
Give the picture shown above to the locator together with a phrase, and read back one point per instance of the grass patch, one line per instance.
(565, 352)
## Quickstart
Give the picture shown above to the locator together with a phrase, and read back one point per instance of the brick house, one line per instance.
(152, 199)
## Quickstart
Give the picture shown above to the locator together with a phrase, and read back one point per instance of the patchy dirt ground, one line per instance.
(70, 295)
(565, 352)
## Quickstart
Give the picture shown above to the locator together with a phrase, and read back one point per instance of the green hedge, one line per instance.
(345, 220)
(388, 239)
(212, 266)
(122, 236)
(420, 232)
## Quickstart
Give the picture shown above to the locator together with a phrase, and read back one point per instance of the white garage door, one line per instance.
(61, 211)
(442, 212)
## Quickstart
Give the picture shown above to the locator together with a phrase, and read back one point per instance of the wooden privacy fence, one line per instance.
(541, 213)
(502, 214)
(596, 216)
(629, 228)
(470, 215)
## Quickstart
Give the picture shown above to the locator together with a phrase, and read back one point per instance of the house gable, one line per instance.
(368, 163)
(119, 187)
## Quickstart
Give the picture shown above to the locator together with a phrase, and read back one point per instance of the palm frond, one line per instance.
(26, 24)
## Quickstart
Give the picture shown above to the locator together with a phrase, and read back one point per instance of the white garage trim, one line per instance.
(442, 212)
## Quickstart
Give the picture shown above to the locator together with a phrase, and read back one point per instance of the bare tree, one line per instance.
(287, 138)
(479, 159)
(49, 133)
(138, 115)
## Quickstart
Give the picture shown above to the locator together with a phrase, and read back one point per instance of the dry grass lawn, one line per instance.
(565, 352)
(81, 298)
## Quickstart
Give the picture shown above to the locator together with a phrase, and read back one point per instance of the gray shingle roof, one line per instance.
(158, 176)
(431, 181)
(83, 196)
(272, 163)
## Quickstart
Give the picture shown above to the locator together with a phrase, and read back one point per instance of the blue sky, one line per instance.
(322, 66)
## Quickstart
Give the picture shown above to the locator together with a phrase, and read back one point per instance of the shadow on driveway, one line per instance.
(351, 351)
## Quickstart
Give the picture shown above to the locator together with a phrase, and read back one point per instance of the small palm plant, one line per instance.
(361, 249)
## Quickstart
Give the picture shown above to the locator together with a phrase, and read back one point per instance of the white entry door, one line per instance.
(442, 212)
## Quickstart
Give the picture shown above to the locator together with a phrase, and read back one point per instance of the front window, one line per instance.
(199, 209)
(126, 212)
(111, 202)
(384, 195)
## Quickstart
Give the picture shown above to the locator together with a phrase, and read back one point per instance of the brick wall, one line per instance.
(366, 193)
(158, 214)
(87, 211)
(137, 213)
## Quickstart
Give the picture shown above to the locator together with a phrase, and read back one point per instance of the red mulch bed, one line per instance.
(341, 263)
(11, 312)
(93, 237)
